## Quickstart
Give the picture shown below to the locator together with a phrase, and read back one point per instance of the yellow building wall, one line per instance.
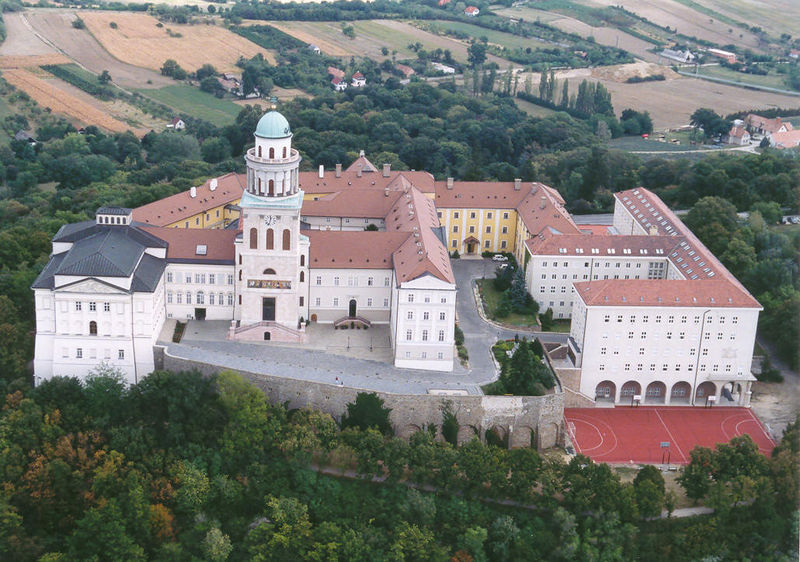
(215, 217)
(486, 225)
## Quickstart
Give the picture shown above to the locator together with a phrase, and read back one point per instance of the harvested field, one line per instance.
(56, 27)
(687, 21)
(774, 16)
(135, 119)
(371, 36)
(672, 101)
(139, 41)
(608, 36)
(20, 38)
(61, 102)
(31, 61)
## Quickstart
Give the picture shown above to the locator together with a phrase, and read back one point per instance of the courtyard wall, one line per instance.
(524, 420)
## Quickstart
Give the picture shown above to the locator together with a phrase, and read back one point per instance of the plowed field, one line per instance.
(61, 102)
(139, 41)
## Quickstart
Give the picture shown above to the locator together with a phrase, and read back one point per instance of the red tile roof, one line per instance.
(589, 245)
(353, 250)
(361, 163)
(351, 203)
(479, 195)
(766, 124)
(333, 71)
(184, 242)
(664, 292)
(543, 208)
(310, 182)
(789, 139)
(182, 205)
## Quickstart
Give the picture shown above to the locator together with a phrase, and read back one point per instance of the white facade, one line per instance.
(337, 293)
(423, 324)
(199, 291)
(666, 355)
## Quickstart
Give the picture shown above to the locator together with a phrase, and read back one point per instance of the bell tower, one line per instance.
(271, 254)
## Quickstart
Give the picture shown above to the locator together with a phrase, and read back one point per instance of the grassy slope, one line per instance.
(190, 100)
(507, 40)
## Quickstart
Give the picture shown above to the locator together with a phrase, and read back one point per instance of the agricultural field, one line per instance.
(370, 36)
(141, 40)
(507, 40)
(672, 101)
(188, 99)
(79, 45)
(773, 16)
(604, 35)
(60, 101)
(771, 80)
(686, 21)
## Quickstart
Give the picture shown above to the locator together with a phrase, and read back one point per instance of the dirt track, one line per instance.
(79, 45)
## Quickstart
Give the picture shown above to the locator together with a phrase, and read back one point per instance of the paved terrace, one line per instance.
(347, 354)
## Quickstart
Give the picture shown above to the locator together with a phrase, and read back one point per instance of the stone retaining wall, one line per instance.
(523, 420)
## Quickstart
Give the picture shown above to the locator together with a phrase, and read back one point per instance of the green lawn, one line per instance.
(5, 111)
(491, 299)
(771, 80)
(507, 40)
(190, 100)
(638, 144)
(532, 109)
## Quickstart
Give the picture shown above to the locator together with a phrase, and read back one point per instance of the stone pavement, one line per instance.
(328, 358)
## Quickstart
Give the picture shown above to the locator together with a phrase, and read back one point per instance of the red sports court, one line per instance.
(655, 435)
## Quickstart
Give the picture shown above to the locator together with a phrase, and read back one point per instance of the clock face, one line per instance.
(270, 219)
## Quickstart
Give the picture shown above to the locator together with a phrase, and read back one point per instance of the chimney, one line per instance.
(386, 169)
(653, 231)
(361, 153)
(321, 171)
(193, 192)
(386, 192)
(534, 187)
(358, 172)
(212, 185)
(543, 202)
(517, 184)
(449, 183)
(338, 170)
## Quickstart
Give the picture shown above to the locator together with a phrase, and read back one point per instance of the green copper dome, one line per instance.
(273, 125)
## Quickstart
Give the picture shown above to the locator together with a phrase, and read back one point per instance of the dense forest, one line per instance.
(186, 467)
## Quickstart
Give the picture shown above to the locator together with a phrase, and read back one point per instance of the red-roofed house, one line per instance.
(737, 135)
(472, 11)
(785, 139)
(339, 84)
(765, 126)
(358, 80)
(177, 123)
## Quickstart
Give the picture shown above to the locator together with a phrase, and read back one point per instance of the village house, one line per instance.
(177, 124)
(358, 80)
(679, 56)
(738, 135)
(443, 68)
(407, 71)
(338, 84)
(784, 139)
(765, 126)
(316, 50)
(472, 11)
(727, 56)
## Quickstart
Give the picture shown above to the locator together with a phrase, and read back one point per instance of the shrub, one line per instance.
(78, 23)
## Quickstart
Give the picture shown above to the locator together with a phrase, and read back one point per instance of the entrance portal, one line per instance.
(352, 312)
(268, 309)
(199, 313)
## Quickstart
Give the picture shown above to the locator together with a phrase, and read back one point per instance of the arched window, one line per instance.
(270, 239)
(240, 275)
(271, 153)
(284, 152)
(302, 260)
(271, 187)
(260, 187)
(269, 271)
(287, 239)
(302, 276)
(201, 297)
(92, 328)
(259, 152)
(253, 238)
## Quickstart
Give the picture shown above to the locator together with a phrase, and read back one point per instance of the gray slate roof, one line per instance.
(114, 211)
(105, 251)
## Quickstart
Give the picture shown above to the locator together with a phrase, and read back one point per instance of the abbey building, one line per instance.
(654, 314)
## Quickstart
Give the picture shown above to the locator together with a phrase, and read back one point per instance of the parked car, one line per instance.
(499, 257)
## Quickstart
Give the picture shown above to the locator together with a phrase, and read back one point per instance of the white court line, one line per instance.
(602, 439)
(671, 436)
(764, 431)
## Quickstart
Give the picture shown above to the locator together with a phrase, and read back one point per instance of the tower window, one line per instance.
(270, 239)
(271, 153)
(271, 185)
(253, 238)
(287, 239)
